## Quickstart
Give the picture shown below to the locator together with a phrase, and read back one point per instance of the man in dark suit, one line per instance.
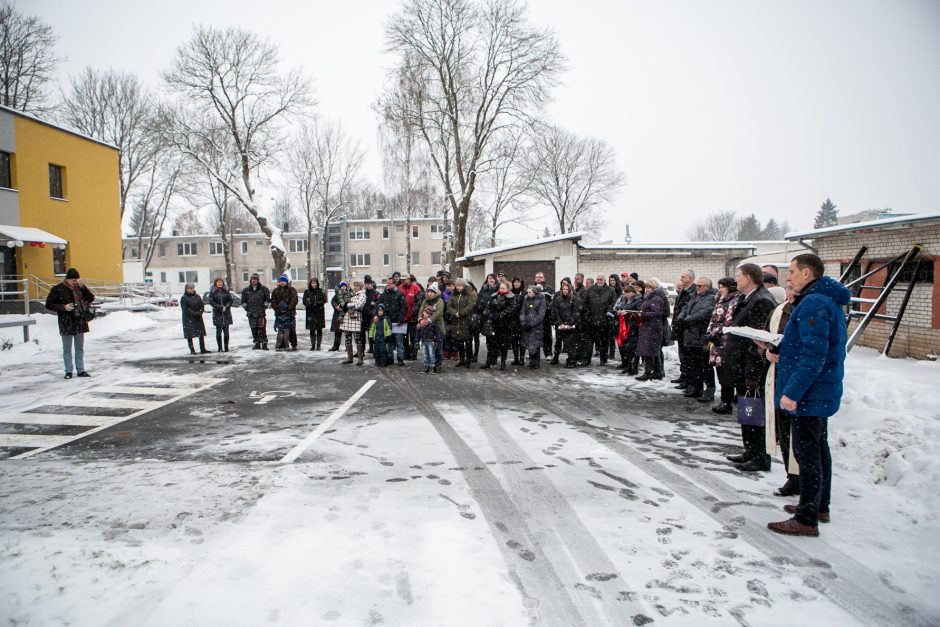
(755, 305)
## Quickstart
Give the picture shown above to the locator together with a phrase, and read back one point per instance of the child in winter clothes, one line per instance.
(284, 301)
(429, 330)
(379, 333)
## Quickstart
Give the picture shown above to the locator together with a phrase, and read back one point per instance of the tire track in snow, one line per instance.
(854, 588)
(544, 594)
(574, 552)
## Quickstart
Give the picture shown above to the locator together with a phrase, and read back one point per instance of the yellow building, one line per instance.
(59, 201)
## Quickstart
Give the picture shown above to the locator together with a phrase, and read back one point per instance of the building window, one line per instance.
(189, 276)
(244, 248)
(385, 232)
(334, 248)
(297, 245)
(6, 170)
(416, 258)
(163, 277)
(437, 231)
(259, 242)
(134, 253)
(386, 259)
(56, 181)
(359, 232)
(360, 260)
(245, 276)
(435, 258)
(216, 249)
(186, 249)
(58, 261)
(161, 250)
(414, 231)
(300, 274)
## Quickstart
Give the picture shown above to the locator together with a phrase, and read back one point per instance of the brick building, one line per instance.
(919, 333)
(564, 255)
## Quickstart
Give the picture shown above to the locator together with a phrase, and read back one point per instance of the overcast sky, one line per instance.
(751, 105)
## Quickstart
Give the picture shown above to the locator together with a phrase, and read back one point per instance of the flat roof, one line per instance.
(673, 246)
(60, 127)
(870, 224)
(501, 249)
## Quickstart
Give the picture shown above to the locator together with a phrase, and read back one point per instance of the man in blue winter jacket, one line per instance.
(810, 368)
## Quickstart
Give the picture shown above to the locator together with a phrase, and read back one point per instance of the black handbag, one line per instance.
(487, 328)
(476, 323)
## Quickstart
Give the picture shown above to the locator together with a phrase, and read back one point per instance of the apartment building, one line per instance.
(376, 247)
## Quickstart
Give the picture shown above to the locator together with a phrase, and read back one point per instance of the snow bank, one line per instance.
(889, 426)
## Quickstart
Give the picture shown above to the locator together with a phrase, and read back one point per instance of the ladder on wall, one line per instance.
(900, 264)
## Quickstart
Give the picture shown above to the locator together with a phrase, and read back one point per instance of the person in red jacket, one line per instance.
(414, 295)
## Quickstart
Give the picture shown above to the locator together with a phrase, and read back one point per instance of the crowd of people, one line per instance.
(799, 380)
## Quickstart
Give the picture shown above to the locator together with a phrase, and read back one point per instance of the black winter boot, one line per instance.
(708, 395)
(554, 360)
(192, 349)
(647, 369)
(535, 361)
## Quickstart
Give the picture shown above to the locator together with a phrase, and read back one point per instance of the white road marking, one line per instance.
(44, 443)
(55, 419)
(23, 440)
(326, 424)
(134, 389)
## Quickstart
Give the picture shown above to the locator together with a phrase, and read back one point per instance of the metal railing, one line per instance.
(110, 295)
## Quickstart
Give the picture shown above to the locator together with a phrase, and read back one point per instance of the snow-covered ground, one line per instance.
(424, 506)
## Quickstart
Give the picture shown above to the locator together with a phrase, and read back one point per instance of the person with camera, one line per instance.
(71, 300)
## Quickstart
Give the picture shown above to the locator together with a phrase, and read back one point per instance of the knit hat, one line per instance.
(72, 273)
(433, 288)
(343, 284)
(284, 278)
(381, 308)
(537, 288)
(255, 276)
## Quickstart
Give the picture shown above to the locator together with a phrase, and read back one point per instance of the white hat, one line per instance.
(433, 288)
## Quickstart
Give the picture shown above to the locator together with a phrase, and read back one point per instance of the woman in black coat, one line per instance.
(566, 317)
(193, 326)
(314, 300)
(518, 350)
(220, 299)
(650, 343)
(503, 314)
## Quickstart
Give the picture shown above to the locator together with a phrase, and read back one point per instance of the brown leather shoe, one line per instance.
(791, 509)
(793, 527)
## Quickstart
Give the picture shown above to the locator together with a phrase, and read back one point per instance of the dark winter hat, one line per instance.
(367, 279)
(284, 278)
(634, 276)
(769, 278)
(255, 275)
(381, 308)
(72, 273)
(343, 284)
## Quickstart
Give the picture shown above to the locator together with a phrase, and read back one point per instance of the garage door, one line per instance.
(527, 269)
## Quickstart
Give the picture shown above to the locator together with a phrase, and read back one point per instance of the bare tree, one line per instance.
(324, 168)
(483, 69)
(115, 107)
(27, 60)
(505, 186)
(159, 186)
(573, 175)
(405, 159)
(189, 222)
(720, 226)
(233, 77)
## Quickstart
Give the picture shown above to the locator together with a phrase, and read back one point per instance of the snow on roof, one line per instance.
(30, 234)
(870, 224)
(60, 127)
(501, 249)
(673, 245)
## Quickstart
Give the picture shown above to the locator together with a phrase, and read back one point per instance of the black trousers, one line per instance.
(752, 437)
(567, 341)
(599, 336)
(698, 367)
(684, 365)
(259, 329)
(783, 438)
(547, 336)
(412, 345)
(811, 449)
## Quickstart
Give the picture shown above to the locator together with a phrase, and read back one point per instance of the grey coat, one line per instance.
(695, 317)
(531, 317)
